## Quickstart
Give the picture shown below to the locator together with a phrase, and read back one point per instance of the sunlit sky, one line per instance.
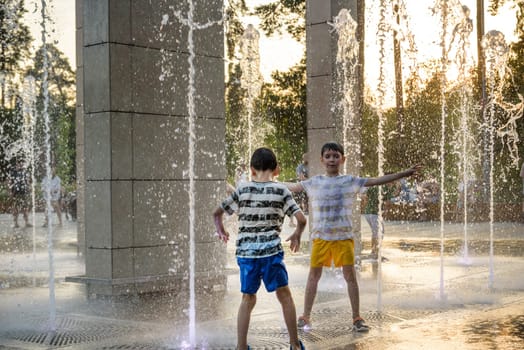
(289, 51)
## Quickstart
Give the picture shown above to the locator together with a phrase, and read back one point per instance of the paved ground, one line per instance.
(415, 300)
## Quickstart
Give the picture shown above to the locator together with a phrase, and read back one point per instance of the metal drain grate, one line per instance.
(135, 346)
(331, 325)
(69, 331)
(255, 342)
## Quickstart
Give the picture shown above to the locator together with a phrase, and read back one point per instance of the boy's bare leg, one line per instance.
(290, 314)
(58, 210)
(351, 280)
(244, 316)
(26, 217)
(14, 211)
(374, 245)
(59, 213)
(311, 289)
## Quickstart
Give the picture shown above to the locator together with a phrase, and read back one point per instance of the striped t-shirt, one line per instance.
(261, 207)
(331, 204)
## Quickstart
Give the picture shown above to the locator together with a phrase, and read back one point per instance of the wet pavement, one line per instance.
(415, 300)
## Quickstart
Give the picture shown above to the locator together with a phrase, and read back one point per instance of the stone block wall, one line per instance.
(324, 121)
(133, 116)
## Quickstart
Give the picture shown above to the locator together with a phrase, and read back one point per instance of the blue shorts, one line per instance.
(271, 270)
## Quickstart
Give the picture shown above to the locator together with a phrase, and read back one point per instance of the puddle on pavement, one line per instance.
(513, 248)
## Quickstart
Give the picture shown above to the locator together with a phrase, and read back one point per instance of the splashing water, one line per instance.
(251, 80)
(47, 153)
(191, 142)
(500, 75)
(497, 54)
(191, 94)
(464, 135)
(347, 74)
(382, 30)
(448, 17)
(29, 111)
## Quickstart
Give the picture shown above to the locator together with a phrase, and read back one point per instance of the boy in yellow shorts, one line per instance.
(331, 199)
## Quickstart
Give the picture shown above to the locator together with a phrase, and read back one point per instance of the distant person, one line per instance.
(19, 186)
(261, 205)
(302, 172)
(241, 175)
(429, 197)
(522, 176)
(69, 205)
(52, 187)
(331, 199)
(407, 193)
(370, 210)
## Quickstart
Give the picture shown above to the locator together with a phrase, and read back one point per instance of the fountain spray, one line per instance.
(45, 113)
(497, 54)
(29, 110)
(191, 92)
(251, 79)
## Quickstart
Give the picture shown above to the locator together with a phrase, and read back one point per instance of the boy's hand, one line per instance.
(222, 235)
(294, 242)
(415, 170)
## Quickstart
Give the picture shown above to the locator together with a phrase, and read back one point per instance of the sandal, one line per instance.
(302, 347)
(304, 322)
(359, 325)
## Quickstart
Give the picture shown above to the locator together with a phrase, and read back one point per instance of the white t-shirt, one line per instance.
(54, 187)
(331, 200)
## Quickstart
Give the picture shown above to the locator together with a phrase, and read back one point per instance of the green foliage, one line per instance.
(410, 138)
(508, 183)
(14, 35)
(15, 42)
(14, 54)
(61, 112)
(284, 104)
(234, 123)
(280, 113)
(420, 139)
(234, 27)
(285, 14)
(10, 132)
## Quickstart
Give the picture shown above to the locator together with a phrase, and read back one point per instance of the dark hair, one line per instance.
(332, 146)
(263, 159)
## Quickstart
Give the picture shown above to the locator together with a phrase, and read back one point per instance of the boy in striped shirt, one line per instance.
(261, 205)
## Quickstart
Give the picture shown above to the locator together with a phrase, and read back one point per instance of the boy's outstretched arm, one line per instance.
(414, 170)
(219, 224)
(294, 186)
(294, 239)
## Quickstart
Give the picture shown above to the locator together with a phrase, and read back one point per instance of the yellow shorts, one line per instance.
(341, 253)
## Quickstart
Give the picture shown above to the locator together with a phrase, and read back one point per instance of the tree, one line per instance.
(284, 104)
(514, 88)
(234, 91)
(14, 49)
(287, 14)
(283, 101)
(61, 92)
(15, 39)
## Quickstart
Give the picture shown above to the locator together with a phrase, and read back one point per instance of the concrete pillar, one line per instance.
(324, 120)
(134, 117)
(80, 178)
